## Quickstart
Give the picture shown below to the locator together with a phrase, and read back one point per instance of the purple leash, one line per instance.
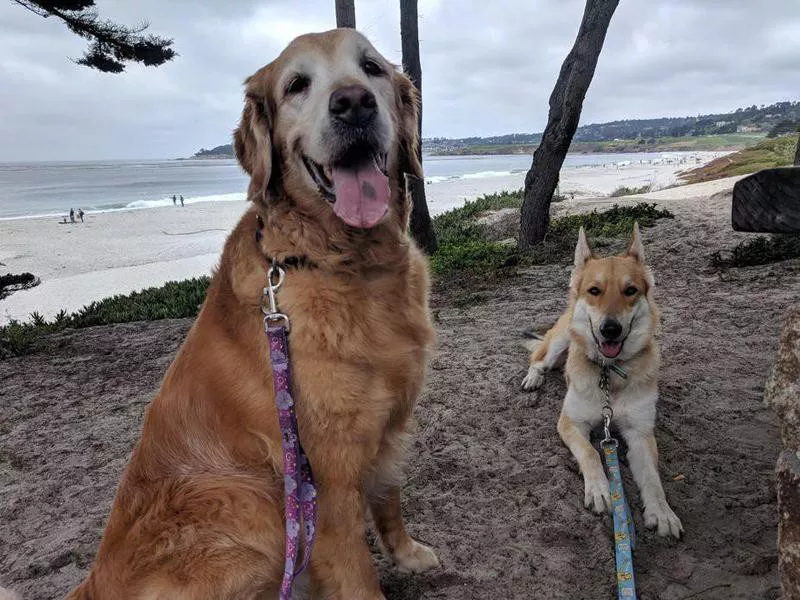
(300, 494)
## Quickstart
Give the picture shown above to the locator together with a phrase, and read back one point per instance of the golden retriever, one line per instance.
(327, 135)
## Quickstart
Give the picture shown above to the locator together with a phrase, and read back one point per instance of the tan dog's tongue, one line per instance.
(362, 195)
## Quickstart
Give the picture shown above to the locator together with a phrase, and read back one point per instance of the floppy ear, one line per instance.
(252, 143)
(583, 252)
(408, 115)
(636, 249)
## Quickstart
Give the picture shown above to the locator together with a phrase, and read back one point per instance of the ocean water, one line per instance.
(52, 188)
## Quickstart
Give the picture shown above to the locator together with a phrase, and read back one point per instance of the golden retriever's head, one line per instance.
(332, 125)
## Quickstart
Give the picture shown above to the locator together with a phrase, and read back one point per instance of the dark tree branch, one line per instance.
(797, 153)
(346, 13)
(112, 45)
(421, 226)
(566, 103)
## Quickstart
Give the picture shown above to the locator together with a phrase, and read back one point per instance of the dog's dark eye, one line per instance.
(594, 291)
(630, 291)
(372, 68)
(298, 84)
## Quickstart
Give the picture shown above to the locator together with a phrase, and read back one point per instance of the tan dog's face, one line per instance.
(338, 122)
(614, 310)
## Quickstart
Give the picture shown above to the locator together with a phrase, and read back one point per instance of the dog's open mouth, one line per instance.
(357, 185)
(611, 349)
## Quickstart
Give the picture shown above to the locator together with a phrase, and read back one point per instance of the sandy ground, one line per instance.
(125, 251)
(490, 485)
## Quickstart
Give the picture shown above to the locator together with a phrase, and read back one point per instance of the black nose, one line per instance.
(611, 329)
(353, 104)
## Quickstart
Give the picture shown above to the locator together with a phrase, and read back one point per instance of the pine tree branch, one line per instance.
(112, 45)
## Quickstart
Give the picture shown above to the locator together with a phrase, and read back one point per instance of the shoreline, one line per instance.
(688, 159)
(122, 251)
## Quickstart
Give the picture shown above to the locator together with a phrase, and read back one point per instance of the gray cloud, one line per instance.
(488, 67)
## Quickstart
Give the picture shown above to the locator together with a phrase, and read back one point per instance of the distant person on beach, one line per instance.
(181, 201)
(71, 215)
(174, 200)
(80, 214)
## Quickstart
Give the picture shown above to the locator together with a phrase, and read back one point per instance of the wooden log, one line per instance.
(768, 201)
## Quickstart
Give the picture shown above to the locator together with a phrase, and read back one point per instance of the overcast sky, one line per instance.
(488, 67)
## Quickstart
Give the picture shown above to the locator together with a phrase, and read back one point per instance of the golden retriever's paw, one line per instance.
(596, 495)
(661, 516)
(415, 558)
(534, 379)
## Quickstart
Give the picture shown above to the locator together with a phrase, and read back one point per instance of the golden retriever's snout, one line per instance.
(353, 105)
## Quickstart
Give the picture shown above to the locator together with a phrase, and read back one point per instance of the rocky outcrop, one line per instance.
(783, 395)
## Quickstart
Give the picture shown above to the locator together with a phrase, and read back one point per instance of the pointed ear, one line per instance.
(583, 252)
(409, 166)
(252, 143)
(636, 249)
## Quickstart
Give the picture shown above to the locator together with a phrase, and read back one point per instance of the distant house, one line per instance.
(748, 129)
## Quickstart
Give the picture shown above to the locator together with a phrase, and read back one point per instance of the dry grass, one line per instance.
(778, 152)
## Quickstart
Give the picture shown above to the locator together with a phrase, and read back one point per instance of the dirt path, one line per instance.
(490, 484)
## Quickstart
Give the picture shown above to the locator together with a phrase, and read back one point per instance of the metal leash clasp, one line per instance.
(269, 303)
(607, 412)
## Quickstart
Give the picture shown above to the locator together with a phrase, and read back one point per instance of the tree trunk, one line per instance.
(566, 103)
(421, 226)
(346, 13)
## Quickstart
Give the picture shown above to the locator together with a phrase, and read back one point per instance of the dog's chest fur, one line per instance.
(378, 325)
(358, 348)
(633, 399)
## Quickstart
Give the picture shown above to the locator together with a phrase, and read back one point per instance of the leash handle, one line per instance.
(624, 533)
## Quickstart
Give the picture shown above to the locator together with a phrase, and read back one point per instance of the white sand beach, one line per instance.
(125, 251)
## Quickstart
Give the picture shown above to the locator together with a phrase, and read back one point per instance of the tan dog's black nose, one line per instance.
(353, 105)
(611, 329)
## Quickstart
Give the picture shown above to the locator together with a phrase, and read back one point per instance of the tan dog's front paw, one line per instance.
(664, 518)
(596, 495)
(534, 379)
(415, 558)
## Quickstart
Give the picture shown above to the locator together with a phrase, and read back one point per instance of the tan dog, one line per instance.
(612, 318)
(328, 133)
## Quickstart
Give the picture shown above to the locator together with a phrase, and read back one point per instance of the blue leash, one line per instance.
(624, 533)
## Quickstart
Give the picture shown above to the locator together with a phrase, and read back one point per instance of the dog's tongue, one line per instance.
(611, 349)
(362, 195)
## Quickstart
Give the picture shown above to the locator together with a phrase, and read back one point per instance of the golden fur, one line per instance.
(199, 510)
(618, 288)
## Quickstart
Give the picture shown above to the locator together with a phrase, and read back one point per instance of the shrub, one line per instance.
(173, 300)
(624, 190)
(760, 250)
(616, 221)
(12, 283)
(463, 248)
